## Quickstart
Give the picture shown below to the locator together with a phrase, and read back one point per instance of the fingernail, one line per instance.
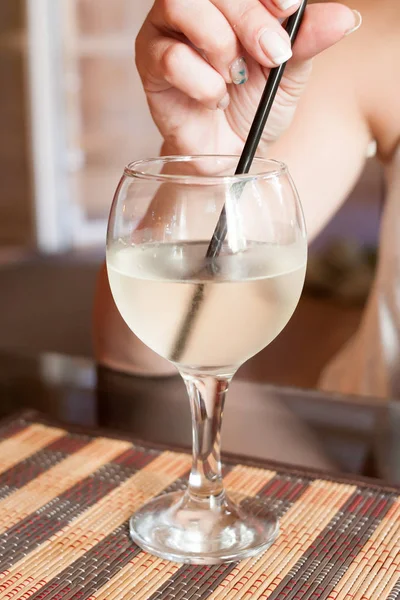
(357, 22)
(239, 72)
(224, 103)
(285, 4)
(275, 47)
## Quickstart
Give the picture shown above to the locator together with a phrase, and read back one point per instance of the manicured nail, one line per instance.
(275, 47)
(224, 103)
(285, 4)
(357, 22)
(238, 71)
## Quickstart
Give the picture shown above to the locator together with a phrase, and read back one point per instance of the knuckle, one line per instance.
(141, 44)
(138, 51)
(171, 59)
(244, 9)
(146, 62)
(250, 22)
(224, 46)
(207, 96)
(171, 9)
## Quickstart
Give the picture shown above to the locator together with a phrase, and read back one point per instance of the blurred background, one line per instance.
(72, 114)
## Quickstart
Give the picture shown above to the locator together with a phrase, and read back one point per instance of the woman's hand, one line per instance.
(204, 65)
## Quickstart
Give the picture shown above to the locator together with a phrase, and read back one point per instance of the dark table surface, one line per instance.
(302, 427)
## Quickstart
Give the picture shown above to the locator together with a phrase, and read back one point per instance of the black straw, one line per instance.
(257, 128)
(244, 165)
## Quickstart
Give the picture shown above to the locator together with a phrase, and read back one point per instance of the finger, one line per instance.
(258, 30)
(205, 27)
(165, 63)
(324, 25)
(281, 8)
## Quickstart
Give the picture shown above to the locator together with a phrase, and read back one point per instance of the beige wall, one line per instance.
(108, 117)
(115, 115)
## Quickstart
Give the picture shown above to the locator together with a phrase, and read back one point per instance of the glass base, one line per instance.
(184, 529)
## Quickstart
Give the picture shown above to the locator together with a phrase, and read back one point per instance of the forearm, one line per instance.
(326, 145)
(115, 346)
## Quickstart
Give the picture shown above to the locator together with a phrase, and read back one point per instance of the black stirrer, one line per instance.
(244, 165)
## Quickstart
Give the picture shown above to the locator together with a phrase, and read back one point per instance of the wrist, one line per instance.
(169, 149)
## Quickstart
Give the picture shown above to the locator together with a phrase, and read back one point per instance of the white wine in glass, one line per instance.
(207, 316)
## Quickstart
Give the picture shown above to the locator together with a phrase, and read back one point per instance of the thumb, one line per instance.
(324, 26)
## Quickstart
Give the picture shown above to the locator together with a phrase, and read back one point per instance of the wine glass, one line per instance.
(207, 309)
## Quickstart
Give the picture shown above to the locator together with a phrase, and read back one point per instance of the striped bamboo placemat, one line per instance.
(65, 499)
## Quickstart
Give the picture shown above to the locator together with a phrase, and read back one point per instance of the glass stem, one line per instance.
(207, 397)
